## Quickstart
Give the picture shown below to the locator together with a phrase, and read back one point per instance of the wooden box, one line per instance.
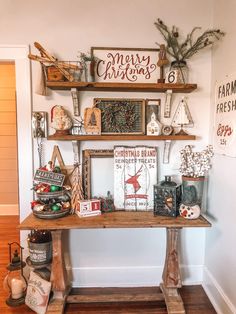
(53, 74)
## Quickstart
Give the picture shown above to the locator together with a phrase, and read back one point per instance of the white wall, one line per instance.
(220, 272)
(116, 257)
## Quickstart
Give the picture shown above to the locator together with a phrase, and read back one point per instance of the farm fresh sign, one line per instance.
(225, 117)
(126, 65)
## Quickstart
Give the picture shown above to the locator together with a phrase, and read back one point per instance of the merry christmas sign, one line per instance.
(126, 65)
(224, 141)
(135, 173)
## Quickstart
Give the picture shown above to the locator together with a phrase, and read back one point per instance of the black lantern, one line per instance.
(167, 198)
(15, 282)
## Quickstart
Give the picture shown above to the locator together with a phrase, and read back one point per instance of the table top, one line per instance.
(117, 219)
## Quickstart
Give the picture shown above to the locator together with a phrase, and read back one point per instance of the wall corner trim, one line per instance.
(215, 293)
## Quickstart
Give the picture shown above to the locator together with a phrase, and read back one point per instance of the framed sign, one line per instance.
(121, 116)
(224, 138)
(126, 65)
(135, 173)
(49, 177)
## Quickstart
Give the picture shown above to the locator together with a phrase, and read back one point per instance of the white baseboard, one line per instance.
(130, 276)
(9, 209)
(215, 293)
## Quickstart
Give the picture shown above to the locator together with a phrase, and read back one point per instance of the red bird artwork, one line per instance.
(134, 180)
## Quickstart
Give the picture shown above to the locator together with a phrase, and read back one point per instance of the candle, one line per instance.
(17, 288)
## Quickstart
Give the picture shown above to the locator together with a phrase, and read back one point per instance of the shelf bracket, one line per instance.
(76, 149)
(166, 153)
(167, 107)
(75, 99)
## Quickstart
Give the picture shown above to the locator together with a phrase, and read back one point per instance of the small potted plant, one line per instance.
(194, 167)
(180, 51)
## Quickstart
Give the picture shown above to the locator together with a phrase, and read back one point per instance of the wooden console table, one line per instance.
(120, 219)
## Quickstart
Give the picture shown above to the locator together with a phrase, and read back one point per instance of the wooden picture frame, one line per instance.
(87, 155)
(121, 115)
(152, 106)
(127, 65)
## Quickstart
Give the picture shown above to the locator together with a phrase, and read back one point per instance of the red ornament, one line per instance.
(33, 203)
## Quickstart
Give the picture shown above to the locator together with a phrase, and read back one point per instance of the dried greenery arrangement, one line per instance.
(181, 51)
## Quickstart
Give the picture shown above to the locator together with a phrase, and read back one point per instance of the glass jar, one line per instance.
(181, 69)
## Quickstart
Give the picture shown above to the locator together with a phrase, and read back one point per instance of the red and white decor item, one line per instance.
(88, 208)
(135, 173)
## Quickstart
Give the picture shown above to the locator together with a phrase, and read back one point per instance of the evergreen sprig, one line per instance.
(191, 45)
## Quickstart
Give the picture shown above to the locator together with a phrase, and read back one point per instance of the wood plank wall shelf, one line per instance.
(118, 137)
(122, 87)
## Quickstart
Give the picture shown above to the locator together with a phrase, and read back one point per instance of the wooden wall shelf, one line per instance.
(119, 137)
(123, 87)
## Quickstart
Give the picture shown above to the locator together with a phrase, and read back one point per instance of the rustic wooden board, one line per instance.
(8, 118)
(7, 93)
(7, 105)
(8, 176)
(8, 141)
(120, 137)
(119, 219)
(7, 129)
(119, 296)
(8, 152)
(137, 87)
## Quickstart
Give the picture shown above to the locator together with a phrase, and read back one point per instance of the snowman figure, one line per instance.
(189, 212)
(189, 209)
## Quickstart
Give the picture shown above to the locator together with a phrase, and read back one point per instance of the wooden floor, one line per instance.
(194, 297)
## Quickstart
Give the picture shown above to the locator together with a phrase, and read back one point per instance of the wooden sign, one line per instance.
(49, 177)
(135, 173)
(127, 65)
(92, 120)
(224, 138)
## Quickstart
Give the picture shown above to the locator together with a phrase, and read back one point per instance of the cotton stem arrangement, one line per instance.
(195, 164)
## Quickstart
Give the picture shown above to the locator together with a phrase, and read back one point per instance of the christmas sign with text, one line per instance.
(135, 173)
(225, 117)
(126, 65)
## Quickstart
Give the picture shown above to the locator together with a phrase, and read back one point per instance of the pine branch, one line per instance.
(189, 47)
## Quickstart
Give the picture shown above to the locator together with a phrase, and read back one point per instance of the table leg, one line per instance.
(60, 286)
(171, 274)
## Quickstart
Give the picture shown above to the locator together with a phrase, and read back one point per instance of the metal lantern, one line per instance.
(15, 282)
(167, 198)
